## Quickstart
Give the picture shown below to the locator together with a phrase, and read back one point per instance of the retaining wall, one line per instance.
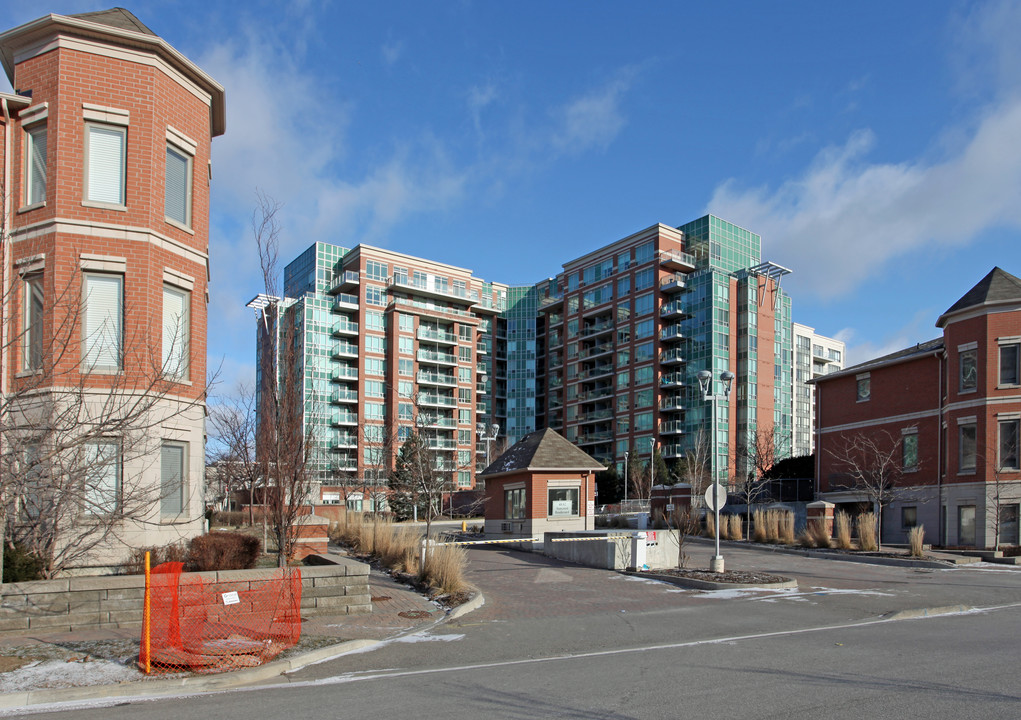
(334, 585)
(592, 550)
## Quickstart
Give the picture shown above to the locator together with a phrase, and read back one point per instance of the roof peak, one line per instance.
(116, 17)
(997, 287)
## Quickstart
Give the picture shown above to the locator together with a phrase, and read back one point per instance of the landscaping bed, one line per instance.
(708, 580)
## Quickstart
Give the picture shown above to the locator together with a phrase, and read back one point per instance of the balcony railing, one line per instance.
(671, 403)
(344, 396)
(436, 357)
(602, 436)
(346, 278)
(677, 260)
(597, 328)
(349, 350)
(434, 289)
(601, 349)
(674, 379)
(671, 333)
(428, 378)
(598, 371)
(440, 336)
(344, 373)
(345, 302)
(345, 327)
(342, 418)
(441, 421)
(671, 427)
(595, 394)
(672, 284)
(671, 356)
(673, 309)
(437, 400)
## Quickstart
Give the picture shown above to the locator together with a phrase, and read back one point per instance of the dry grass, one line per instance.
(815, 535)
(444, 569)
(866, 526)
(916, 538)
(842, 527)
(785, 526)
(759, 522)
(736, 528)
(710, 525)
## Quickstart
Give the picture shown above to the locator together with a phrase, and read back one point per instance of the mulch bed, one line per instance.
(739, 577)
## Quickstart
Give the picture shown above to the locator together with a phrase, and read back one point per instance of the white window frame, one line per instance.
(35, 186)
(189, 170)
(103, 484)
(89, 198)
(90, 335)
(168, 491)
(177, 336)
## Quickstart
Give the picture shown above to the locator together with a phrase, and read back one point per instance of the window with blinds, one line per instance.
(178, 186)
(32, 358)
(176, 332)
(35, 164)
(102, 327)
(105, 156)
(172, 461)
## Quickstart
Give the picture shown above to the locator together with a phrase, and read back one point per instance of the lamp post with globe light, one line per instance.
(705, 384)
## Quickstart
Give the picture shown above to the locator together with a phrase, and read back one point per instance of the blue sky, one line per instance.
(875, 146)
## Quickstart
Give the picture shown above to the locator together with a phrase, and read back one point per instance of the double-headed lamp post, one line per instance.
(480, 430)
(705, 384)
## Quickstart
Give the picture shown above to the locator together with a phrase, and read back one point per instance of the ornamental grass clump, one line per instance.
(710, 525)
(842, 529)
(866, 526)
(759, 521)
(444, 569)
(916, 538)
(736, 528)
(785, 526)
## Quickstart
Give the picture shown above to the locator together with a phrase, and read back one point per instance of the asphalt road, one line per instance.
(559, 641)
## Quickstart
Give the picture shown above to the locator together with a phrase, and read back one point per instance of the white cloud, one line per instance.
(918, 329)
(594, 119)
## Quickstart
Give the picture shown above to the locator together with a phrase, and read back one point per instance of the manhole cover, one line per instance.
(414, 614)
(380, 598)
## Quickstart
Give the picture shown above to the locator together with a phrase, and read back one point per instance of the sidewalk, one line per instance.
(76, 666)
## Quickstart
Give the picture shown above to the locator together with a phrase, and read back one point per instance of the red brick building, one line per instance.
(947, 412)
(105, 158)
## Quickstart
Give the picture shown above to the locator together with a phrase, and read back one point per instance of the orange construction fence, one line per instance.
(193, 623)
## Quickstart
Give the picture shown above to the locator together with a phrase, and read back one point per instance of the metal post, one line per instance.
(626, 478)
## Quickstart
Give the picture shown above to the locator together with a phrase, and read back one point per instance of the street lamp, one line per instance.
(652, 462)
(480, 430)
(705, 382)
(626, 455)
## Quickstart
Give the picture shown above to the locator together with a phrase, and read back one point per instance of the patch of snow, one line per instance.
(985, 567)
(451, 637)
(61, 674)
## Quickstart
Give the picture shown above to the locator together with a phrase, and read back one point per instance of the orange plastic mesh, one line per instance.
(213, 626)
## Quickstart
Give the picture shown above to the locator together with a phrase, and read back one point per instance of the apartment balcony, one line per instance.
(489, 306)
(428, 308)
(556, 339)
(501, 391)
(671, 403)
(436, 421)
(671, 357)
(340, 397)
(671, 333)
(483, 388)
(430, 356)
(673, 309)
(598, 328)
(343, 373)
(596, 350)
(345, 441)
(430, 378)
(435, 290)
(673, 284)
(672, 451)
(444, 466)
(431, 400)
(344, 350)
(344, 465)
(437, 336)
(596, 394)
(345, 327)
(344, 280)
(550, 302)
(677, 261)
(555, 361)
(341, 419)
(674, 379)
(595, 416)
(441, 443)
(595, 372)
(345, 303)
(602, 436)
(671, 427)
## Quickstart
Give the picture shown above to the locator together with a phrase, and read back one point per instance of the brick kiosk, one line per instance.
(541, 484)
(106, 165)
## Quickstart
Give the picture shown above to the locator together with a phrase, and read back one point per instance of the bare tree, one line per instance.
(760, 451)
(998, 491)
(872, 463)
(233, 431)
(695, 467)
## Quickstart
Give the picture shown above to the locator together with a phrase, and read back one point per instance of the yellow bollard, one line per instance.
(146, 620)
(464, 526)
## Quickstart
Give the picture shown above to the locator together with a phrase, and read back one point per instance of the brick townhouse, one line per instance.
(105, 155)
(952, 408)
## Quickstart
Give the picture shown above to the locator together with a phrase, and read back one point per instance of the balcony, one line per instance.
(595, 416)
(672, 284)
(671, 333)
(437, 336)
(550, 302)
(345, 441)
(344, 303)
(674, 379)
(673, 309)
(344, 418)
(596, 394)
(672, 451)
(344, 350)
(436, 421)
(441, 443)
(556, 381)
(435, 290)
(597, 328)
(444, 466)
(596, 350)
(343, 373)
(431, 400)
(344, 280)
(671, 403)
(556, 339)
(597, 371)
(345, 327)
(430, 356)
(677, 260)
(671, 427)
(344, 465)
(671, 357)
(424, 307)
(339, 397)
(428, 378)
(602, 436)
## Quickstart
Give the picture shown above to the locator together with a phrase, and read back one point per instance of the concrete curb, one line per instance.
(137, 689)
(697, 584)
(928, 612)
(830, 555)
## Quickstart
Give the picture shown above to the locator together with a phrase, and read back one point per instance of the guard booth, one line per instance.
(665, 499)
(541, 484)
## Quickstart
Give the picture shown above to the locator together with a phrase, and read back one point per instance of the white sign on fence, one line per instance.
(231, 598)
